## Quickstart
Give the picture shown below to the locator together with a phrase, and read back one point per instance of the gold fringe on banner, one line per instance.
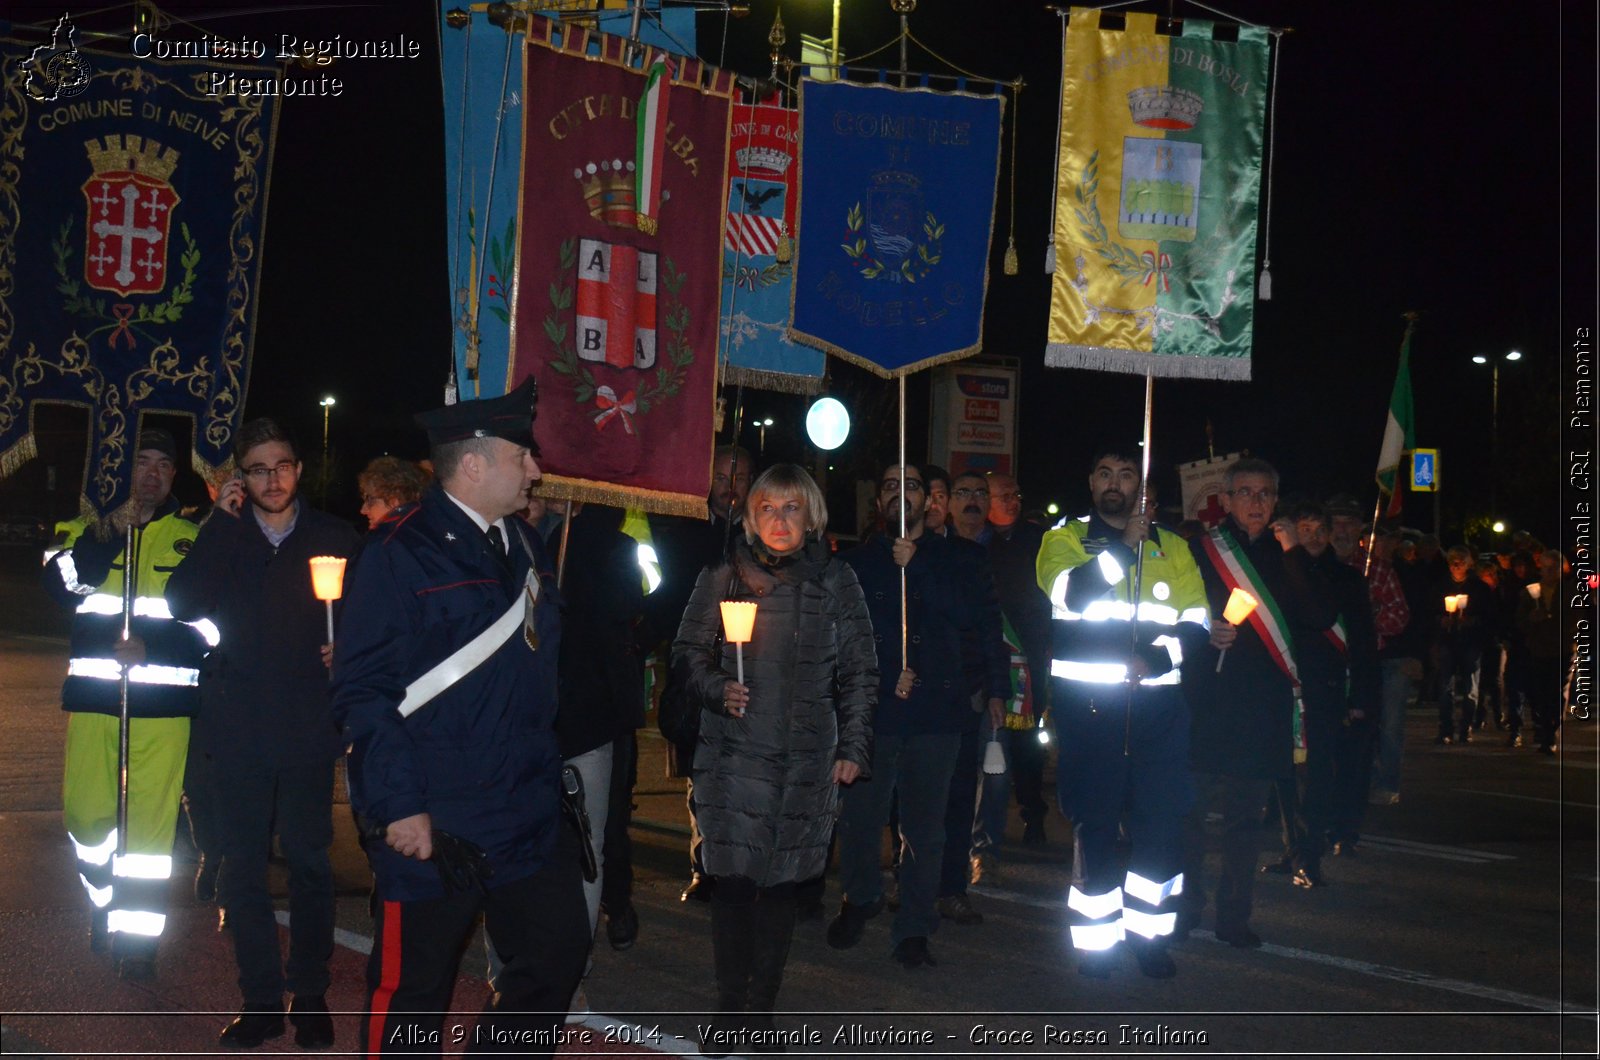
(26, 448)
(658, 502)
(761, 379)
(1139, 362)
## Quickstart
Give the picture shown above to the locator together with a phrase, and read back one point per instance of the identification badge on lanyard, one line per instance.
(530, 631)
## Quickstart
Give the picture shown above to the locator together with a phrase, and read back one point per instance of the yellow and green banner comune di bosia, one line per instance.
(1155, 229)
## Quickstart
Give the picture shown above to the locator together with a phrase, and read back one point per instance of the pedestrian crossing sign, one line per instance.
(1424, 470)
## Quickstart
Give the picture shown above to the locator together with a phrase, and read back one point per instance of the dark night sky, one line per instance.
(1419, 160)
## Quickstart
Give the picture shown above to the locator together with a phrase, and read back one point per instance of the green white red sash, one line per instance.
(1267, 619)
(651, 142)
(1338, 635)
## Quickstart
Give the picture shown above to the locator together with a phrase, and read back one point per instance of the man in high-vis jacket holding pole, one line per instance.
(1120, 716)
(130, 657)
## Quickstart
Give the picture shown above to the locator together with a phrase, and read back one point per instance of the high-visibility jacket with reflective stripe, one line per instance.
(1087, 571)
(87, 575)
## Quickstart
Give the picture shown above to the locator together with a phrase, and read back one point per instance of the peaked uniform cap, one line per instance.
(509, 416)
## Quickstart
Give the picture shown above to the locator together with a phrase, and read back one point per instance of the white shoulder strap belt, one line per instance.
(470, 655)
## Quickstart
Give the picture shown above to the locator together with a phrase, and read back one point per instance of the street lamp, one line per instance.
(764, 424)
(327, 404)
(1494, 414)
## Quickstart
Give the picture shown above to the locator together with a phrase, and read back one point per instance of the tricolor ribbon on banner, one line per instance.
(611, 407)
(1155, 267)
(651, 148)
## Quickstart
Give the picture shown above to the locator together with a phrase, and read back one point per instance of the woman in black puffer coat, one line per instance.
(773, 750)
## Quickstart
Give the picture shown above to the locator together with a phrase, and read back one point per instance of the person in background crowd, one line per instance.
(385, 484)
(1543, 649)
(938, 499)
(775, 747)
(686, 547)
(1120, 716)
(923, 708)
(969, 506)
(1465, 625)
(1243, 732)
(1013, 544)
(1495, 697)
(162, 657)
(265, 732)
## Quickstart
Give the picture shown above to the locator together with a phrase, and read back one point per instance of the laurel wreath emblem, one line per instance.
(911, 269)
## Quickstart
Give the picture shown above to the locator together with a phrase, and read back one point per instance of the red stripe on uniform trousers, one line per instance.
(388, 979)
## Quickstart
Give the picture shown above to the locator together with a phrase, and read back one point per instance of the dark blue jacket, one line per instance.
(948, 592)
(480, 758)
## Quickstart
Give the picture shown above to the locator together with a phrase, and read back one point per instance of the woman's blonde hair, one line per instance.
(787, 480)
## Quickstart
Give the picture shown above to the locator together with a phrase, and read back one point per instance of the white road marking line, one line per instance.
(1436, 847)
(1528, 798)
(1380, 971)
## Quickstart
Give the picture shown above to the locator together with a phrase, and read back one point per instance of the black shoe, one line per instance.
(256, 1024)
(1464, 738)
(1345, 848)
(1033, 833)
(1309, 878)
(313, 1027)
(205, 879)
(846, 928)
(1239, 937)
(623, 928)
(699, 889)
(1442, 741)
(913, 952)
(1096, 964)
(958, 907)
(1514, 740)
(1155, 962)
(1281, 867)
(99, 933)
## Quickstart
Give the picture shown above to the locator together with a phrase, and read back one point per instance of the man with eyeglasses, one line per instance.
(1119, 713)
(1247, 729)
(162, 657)
(923, 708)
(265, 740)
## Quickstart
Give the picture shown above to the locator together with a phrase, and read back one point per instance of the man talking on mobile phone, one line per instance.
(265, 738)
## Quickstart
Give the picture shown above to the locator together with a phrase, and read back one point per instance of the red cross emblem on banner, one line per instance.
(616, 305)
(130, 203)
(1211, 512)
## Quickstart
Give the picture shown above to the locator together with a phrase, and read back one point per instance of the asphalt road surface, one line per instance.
(1466, 925)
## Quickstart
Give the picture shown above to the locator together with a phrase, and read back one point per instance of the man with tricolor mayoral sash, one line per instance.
(162, 657)
(1120, 716)
(1244, 689)
(1339, 687)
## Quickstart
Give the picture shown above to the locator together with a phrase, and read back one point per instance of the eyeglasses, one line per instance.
(1009, 495)
(892, 485)
(966, 493)
(261, 472)
(1253, 495)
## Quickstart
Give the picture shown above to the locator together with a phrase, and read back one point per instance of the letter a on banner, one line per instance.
(1156, 199)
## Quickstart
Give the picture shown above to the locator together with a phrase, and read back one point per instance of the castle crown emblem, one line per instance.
(132, 154)
(766, 159)
(1165, 107)
(609, 190)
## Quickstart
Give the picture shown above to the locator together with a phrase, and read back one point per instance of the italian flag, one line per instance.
(1399, 433)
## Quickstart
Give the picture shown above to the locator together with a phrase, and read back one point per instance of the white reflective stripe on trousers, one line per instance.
(136, 922)
(100, 896)
(1096, 936)
(142, 866)
(1150, 925)
(1149, 891)
(98, 854)
(1095, 906)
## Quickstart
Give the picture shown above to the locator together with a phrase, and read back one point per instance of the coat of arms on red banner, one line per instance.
(617, 319)
(130, 199)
